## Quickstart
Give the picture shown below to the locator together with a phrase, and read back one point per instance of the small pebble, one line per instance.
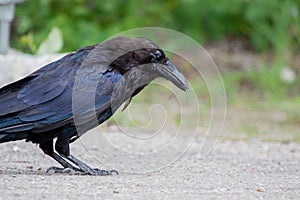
(260, 189)
(16, 149)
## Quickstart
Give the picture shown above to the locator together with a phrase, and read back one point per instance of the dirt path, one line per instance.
(234, 170)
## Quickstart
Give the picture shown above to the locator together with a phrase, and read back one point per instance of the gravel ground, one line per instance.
(233, 170)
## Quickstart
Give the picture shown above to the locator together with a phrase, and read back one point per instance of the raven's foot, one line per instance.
(88, 170)
(75, 171)
(67, 170)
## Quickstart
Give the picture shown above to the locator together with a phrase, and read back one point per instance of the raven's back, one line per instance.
(39, 106)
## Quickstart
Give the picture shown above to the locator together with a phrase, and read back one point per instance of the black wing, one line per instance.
(43, 100)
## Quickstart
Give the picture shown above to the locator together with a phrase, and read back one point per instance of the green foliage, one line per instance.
(82, 22)
(260, 85)
(268, 24)
(274, 24)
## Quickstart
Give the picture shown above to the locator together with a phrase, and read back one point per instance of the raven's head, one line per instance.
(154, 61)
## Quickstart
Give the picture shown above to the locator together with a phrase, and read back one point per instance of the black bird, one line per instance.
(70, 96)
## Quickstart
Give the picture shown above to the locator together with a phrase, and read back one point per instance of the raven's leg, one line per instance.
(47, 148)
(62, 147)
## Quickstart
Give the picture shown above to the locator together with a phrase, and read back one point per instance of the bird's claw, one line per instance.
(101, 172)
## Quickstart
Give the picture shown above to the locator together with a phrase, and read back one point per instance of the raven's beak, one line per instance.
(171, 73)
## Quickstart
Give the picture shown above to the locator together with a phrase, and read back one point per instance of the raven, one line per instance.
(76, 93)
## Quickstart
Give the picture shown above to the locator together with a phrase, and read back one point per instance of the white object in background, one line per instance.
(7, 8)
(287, 75)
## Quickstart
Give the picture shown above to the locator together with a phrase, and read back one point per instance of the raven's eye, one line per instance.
(157, 56)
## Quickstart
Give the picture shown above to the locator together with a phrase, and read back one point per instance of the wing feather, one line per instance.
(43, 101)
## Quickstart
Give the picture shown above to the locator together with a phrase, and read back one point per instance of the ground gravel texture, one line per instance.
(233, 170)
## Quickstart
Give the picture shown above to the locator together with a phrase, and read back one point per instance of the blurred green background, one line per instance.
(268, 29)
(267, 25)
